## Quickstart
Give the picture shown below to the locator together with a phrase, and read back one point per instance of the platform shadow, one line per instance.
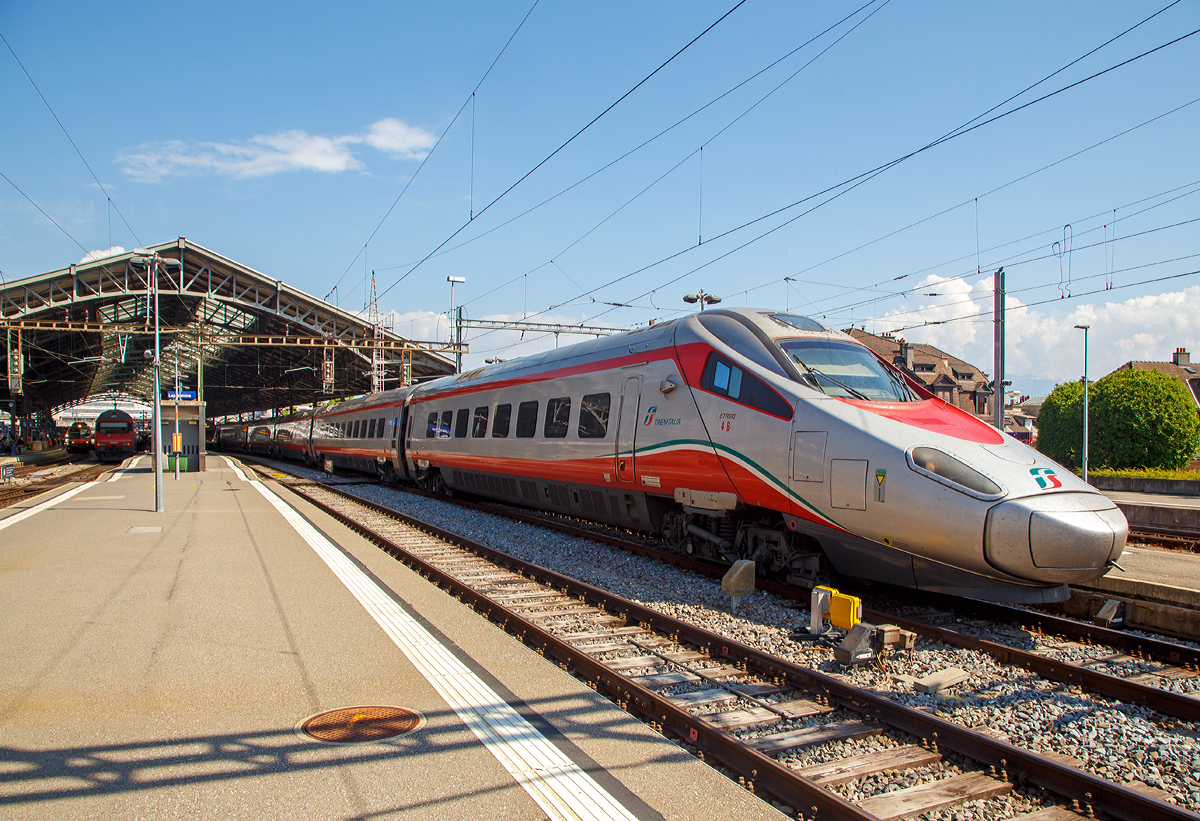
(31, 776)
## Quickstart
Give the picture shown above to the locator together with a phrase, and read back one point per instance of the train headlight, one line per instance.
(944, 468)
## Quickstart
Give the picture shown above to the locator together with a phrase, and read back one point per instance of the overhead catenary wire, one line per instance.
(442, 136)
(43, 213)
(569, 140)
(839, 189)
(645, 142)
(49, 108)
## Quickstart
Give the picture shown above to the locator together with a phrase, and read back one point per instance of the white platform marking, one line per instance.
(25, 514)
(559, 787)
(127, 466)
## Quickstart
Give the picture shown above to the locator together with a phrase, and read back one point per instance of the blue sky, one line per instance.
(280, 135)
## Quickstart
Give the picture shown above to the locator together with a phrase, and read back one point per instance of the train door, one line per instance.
(399, 444)
(627, 421)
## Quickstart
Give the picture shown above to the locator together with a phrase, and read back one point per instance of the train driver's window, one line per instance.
(479, 422)
(371, 430)
(527, 419)
(431, 426)
(444, 428)
(379, 428)
(723, 377)
(558, 418)
(593, 415)
(461, 422)
(500, 422)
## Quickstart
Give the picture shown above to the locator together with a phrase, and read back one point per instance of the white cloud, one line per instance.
(263, 155)
(1042, 342)
(107, 252)
(399, 138)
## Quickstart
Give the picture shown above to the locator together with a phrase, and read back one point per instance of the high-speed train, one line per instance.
(741, 434)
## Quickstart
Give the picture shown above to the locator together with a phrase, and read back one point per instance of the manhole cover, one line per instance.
(356, 725)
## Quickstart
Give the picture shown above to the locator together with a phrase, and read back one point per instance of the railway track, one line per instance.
(762, 718)
(12, 494)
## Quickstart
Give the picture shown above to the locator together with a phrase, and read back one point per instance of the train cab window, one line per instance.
(724, 378)
(379, 428)
(479, 423)
(371, 430)
(431, 426)
(558, 418)
(444, 427)
(461, 422)
(527, 419)
(593, 415)
(500, 422)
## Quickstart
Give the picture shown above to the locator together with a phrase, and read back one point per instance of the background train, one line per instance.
(736, 434)
(79, 438)
(116, 438)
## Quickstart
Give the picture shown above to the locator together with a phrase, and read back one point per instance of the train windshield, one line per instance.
(842, 369)
(114, 427)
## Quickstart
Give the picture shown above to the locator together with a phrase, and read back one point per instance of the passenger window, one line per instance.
(500, 423)
(371, 430)
(382, 425)
(479, 423)
(527, 419)
(724, 378)
(431, 426)
(558, 418)
(444, 428)
(593, 416)
(461, 423)
(354, 430)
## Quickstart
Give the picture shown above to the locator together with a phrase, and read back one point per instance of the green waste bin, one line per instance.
(183, 463)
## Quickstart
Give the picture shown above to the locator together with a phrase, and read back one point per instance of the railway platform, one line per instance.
(166, 664)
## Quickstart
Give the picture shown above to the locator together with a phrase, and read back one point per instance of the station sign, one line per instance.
(181, 395)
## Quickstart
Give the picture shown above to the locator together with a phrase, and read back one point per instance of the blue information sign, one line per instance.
(181, 396)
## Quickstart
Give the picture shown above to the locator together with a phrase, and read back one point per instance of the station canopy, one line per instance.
(246, 341)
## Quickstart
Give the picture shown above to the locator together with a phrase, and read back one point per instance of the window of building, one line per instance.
(593, 415)
(726, 379)
(558, 418)
(479, 423)
(444, 427)
(461, 422)
(923, 368)
(527, 419)
(500, 423)
(431, 426)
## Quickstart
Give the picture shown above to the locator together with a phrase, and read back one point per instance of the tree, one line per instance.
(1142, 419)
(1060, 425)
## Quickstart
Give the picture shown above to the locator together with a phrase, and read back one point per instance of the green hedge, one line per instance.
(1137, 419)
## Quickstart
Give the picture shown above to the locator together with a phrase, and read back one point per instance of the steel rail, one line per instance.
(1016, 764)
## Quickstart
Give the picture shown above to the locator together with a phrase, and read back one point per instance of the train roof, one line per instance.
(114, 414)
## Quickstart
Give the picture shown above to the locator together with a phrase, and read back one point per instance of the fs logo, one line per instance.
(650, 415)
(1045, 478)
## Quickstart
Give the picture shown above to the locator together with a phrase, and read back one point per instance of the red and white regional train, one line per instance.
(739, 434)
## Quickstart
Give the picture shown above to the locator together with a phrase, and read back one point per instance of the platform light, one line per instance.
(702, 298)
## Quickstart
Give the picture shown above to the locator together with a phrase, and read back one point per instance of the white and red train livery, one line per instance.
(738, 434)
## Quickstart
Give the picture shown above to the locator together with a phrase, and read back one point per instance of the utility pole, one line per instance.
(998, 352)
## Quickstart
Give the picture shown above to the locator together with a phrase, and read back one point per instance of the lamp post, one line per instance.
(152, 261)
(702, 298)
(457, 326)
(1084, 328)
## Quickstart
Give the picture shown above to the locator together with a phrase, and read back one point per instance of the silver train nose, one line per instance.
(1056, 537)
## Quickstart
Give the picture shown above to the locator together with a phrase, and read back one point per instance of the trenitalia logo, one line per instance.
(1045, 478)
(650, 420)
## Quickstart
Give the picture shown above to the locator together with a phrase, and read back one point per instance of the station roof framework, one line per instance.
(258, 342)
